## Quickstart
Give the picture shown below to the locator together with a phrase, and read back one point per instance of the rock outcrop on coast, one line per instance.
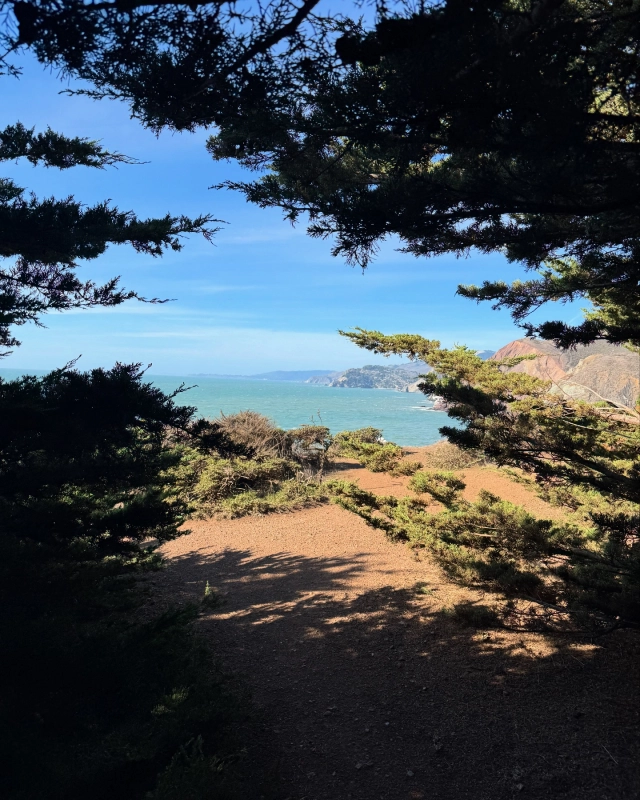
(596, 372)
(401, 377)
(324, 380)
(373, 376)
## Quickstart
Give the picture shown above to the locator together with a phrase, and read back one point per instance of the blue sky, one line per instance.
(264, 296)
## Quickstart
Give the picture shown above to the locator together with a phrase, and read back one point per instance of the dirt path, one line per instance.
(364, 689)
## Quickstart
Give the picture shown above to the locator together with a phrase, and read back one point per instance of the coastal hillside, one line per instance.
(401, 377)
(378, 377)
(600, 371)
(596, 372)
(294, 376)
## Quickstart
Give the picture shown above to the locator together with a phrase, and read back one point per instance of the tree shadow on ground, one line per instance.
(382, 695)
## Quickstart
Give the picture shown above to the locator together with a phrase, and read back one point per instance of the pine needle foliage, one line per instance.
(367, 446)
(505, 126)
(102, 695)
(585, 458)
(42, 242)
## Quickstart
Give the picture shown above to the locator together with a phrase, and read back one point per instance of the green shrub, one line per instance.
(234, 487)
(475, 615)
(406, 467)
(291, 495)
(261, 439)
(447, 456)
(362, 435)
(497, 545)
(366, 445)
(380, 457)
(276, 471)
(442, 486)
(102, 694)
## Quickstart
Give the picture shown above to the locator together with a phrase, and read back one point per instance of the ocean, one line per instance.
(404, 418)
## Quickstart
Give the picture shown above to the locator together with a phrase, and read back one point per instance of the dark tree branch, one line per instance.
(261, 45)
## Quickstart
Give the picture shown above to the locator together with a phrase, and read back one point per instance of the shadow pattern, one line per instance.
(381, 695)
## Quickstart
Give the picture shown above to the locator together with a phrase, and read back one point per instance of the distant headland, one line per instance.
(401, 377)
(596, 372)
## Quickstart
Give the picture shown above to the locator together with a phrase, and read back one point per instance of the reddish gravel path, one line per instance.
(363, 689)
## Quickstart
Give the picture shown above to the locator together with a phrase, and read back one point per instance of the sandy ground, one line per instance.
(362, 688)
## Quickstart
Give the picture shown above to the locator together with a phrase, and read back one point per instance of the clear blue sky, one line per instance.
(264, 296)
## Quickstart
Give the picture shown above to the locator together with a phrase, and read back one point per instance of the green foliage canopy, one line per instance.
(43, 241)
(105, 700)
(584, 458)
(80, 476)
(516, 421)
(499, 126)
(97, 694)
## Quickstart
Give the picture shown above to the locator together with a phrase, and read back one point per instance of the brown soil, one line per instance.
(363, 688)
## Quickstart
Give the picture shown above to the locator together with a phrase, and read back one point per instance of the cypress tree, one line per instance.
(43, 241)
(501, 126)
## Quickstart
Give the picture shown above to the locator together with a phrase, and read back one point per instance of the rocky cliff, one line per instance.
(324, 380)
(401, 377)
(397, 376)
(599, 371)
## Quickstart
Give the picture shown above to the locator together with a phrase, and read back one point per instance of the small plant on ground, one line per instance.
(474, 615)
(447, 456)
(367, 446)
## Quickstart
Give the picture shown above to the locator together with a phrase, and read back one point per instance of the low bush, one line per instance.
(447, 456)
(290, 495)
(310, 446)
(359, 436)
(367, 446)
(497, 545)
(255, 433)
(474, 615)
(261, 439)
(278, 470)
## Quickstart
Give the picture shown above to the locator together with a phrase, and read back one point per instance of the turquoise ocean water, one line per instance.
(404, 418)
